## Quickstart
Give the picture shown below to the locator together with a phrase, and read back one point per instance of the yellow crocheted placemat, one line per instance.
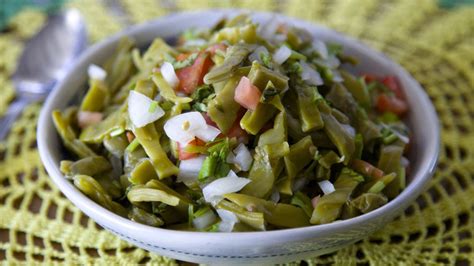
(37, 224)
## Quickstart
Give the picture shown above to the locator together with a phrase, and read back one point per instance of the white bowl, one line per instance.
(250, 247)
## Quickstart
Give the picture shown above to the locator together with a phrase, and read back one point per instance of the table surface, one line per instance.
(37, 224)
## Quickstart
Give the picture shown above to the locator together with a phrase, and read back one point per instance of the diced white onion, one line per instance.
(310, 75)
(226, 215)
(242, 157)
(336, 76)
(204, 220)
(341, 159)
(213, 192)
(267, 30)
(207, 134)
(139, 110)
(226, 227)
(326, 186)
(401, 137)
(321, 48)
(189, 169)
(349, 129)
(333, 62)
(167, 70)
(182, 128)
(230, 158)
(229, 219)
(282, 54)
(255, 55)
(185, 127)
(96, 72)
(195, 42)
(405, 162)
(181, 94)
(279, 38)
(158, 98)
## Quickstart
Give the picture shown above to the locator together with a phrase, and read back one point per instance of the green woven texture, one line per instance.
(37, 224)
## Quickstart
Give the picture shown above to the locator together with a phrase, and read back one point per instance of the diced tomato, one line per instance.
(191, 77)
(367, 169)
(369, 78)
(314, 201)
(184, 155)
(388, 103)
(130, 136)
(240, 114)
(392, 104)
(218, 46)
(392, 83)
(247, 94)
(237, 132)
(182, 57)
(282, 28)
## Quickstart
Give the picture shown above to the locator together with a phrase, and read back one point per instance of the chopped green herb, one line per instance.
(215, 165)
(200, 107)
(208, 168)
(186, 62)
(202, 93)
(295, 68)
(159, 207)
(268, 93)
(266, 59)
(371, 86)
(388, 136)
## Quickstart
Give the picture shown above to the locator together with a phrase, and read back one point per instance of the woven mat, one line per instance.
(37, 224)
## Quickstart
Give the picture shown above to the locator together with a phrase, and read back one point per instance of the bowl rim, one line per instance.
(92, 209)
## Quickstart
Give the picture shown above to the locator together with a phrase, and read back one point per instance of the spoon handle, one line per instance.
(14, 110)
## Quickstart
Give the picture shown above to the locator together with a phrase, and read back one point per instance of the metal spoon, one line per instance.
(44, 61)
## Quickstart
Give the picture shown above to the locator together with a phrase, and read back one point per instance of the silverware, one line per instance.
(44, 61)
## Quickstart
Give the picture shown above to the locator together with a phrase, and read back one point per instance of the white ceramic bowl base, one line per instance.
(253, 247)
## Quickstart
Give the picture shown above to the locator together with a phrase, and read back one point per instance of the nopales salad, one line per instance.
(240, 127)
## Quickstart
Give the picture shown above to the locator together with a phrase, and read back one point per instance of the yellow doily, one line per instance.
(37, 224)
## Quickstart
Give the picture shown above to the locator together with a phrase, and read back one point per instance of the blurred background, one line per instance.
(9, 8)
